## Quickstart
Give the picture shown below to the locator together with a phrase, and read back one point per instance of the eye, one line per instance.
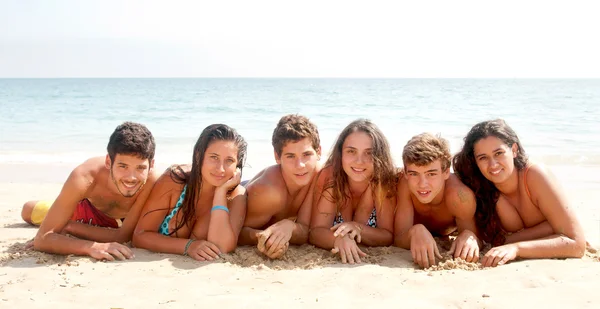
(431, 174)
(499, 153)
(214, 157)
(350, 151)
(230, 161)
(290, 156)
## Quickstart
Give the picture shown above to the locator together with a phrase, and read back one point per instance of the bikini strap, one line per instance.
(526, 185)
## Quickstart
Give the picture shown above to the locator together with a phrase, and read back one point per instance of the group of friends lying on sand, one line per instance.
(357, 197)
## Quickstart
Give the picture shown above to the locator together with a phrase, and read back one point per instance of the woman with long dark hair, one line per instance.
(521, 209)
(198, 210)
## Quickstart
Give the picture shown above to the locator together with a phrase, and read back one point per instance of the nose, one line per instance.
(360, 158)
(423, 181)
(493, 163)
(220, 167)
(300, 163)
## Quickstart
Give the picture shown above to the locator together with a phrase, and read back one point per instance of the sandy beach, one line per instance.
(306, 277)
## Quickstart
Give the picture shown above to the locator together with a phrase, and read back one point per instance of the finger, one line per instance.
(464, 252)
(205, 255)
(335, 227)
(358, 238)
(419, 258)
(355, 254)
(343, 256)
(214, 247)
(196, 256)
(106, 256)
(276, 245)
(116, 253)
(335, 250)
(210, 250)
(413, 252)
(126, 251)
(430, 257)
(437, 252)
(497, 259)
(476, 254)
(452, 248)
(352, 234)
(339, 230)
(361, 253)
(349, 256)
(486, 259)
(505, 259)
(272, 239)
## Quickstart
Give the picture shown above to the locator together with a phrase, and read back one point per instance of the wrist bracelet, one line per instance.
(219, 207)
(187, 246)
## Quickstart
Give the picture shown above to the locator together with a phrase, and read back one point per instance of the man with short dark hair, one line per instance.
(101, 201)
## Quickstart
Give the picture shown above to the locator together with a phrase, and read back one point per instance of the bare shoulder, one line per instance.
(267, 186)
(458, 196)
(86, 175)
(540, 179)
(539, 172)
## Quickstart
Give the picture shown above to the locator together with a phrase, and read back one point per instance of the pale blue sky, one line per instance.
(254, 38)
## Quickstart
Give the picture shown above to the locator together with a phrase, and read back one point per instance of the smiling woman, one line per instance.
(521, 209)
(198, 210)
(354, 195)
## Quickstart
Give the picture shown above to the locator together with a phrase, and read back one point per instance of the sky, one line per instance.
(255, 38)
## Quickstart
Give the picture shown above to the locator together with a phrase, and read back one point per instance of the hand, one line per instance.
(351, 229)
(233, 181)
(110, 251)
(423, 247)
(500, 255)
(202, 250)
(274, 241)
(466, 246)
(348, 250)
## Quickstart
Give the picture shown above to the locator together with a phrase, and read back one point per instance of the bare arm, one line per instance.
(462, 205)
(404, 218)
(382, 234)
(225, 227)
(541, 230)
(300, 233)
(568, 239)
(122, 234)
(48, 237)
(322, 217)
(263, 203)
(158, 204)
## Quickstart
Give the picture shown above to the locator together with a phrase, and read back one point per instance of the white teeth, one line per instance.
(495, 172)
(358, 169)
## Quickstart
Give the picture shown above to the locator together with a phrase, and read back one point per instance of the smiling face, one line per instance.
(357, 156)
(220, 161)
(427, 182)
(298, 161)
(495, 159)
(128, 173)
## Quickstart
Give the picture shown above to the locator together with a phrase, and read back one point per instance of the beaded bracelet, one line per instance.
(219, 207)
(187, 246)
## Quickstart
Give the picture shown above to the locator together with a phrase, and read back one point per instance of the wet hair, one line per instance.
(131, 138)
(293, 128)
(384, 177)
(486, 193)
(424, 149)
(193, 179)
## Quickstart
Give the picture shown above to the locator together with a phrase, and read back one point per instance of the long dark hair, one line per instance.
(485, 191)
(384, 177)
(193, 179)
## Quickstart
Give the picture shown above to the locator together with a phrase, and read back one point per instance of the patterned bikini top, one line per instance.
(372, 222)
(164, 227)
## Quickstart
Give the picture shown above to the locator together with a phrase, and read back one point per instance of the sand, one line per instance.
(304, 277)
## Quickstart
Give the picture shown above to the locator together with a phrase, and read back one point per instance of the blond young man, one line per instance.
(280, 196)
(432, 201)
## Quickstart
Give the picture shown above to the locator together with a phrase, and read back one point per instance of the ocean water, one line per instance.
(61, 122)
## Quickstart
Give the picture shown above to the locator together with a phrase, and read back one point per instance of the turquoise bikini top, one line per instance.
(164, 227)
